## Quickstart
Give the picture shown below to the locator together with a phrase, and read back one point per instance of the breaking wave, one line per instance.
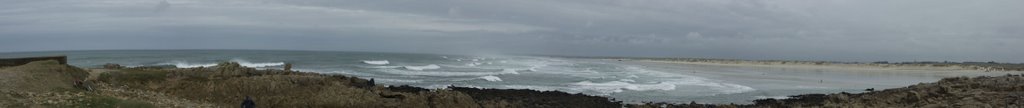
(425, 67)
(433, 70)
(257, 65)
(397, 80)
(473, 64)
(774, 97)
(376, 62)
(183, 64)
(491, 78)
(385, 67)
(618, 86)
(676, 79)
(441, 73)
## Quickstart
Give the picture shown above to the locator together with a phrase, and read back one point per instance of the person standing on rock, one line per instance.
(248, 103)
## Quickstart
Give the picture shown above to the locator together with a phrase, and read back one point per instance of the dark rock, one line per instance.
(287, 66)
(539, 99)
(112, 66)
(407, 89)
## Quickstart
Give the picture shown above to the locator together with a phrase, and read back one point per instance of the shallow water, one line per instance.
(624, 80)
(779, 82)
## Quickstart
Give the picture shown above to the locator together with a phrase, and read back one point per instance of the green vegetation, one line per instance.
(133, 77)
(96, 101)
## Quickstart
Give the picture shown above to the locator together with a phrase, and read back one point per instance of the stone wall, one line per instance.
(7, 62)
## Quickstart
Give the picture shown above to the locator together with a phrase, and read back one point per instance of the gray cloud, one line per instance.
(163, 5)
(849, 30)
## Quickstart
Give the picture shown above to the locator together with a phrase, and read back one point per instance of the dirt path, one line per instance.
(95, 73)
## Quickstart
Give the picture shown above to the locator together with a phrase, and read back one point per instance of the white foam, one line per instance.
(441, 73)
(491, 78)
(473, 64)
(262, 64)
(606, 88)
(627, 80)
(445, 86)
(376, 62)
(352, 73)
(256, 65)
(538, 88)
(632, 76)
(183, 64)
(509, 71)
(684, 80)
(385, 67)
(462, 79)
(133, 66)
(397, 80)
(774, 97)
(426, 67)
(728, 88)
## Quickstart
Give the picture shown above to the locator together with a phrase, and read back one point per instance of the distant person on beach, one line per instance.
(248, 103)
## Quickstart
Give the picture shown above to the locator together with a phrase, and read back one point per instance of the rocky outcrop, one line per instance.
(524, 98)
(1001, 91)
(112, 66)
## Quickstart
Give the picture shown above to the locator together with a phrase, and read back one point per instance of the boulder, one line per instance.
(112, 66)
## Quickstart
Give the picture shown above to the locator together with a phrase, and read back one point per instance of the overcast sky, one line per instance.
(844, 30)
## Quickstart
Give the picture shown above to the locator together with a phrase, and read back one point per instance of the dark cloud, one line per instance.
(852, 30)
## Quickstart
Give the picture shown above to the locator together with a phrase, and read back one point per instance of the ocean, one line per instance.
(630, 81)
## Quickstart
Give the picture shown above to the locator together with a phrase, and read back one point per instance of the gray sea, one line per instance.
(629, 81)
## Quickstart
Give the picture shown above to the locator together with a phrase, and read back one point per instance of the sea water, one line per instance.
(629, 81)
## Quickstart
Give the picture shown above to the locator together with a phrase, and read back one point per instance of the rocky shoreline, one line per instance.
(226, 84)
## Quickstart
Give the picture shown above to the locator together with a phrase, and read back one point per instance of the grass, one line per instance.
(95, 101)
(133, 77)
